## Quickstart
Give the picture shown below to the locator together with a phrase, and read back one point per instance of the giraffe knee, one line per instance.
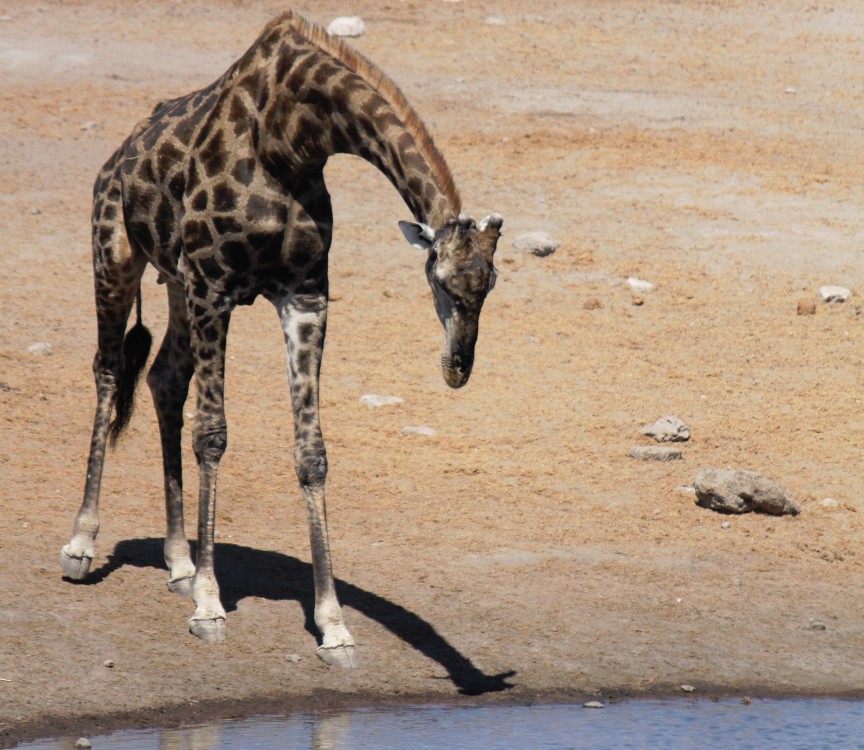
(311, 467)
(210, 447)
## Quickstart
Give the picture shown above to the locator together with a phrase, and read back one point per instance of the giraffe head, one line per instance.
(460, 271)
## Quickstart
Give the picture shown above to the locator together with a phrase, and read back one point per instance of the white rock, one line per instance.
(495, 20)
(373, 400)
(346, 26)
(42, 349)
(82, 743)
(538, 243)
(829, 502)
(667, 430)
(640, 285)
(834, 293)
(687, 688)
(420, 430)
(593, 704)
(655, 453)
(741, 491)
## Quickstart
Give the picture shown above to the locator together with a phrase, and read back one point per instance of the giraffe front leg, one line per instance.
(209, 333)
(304, 326)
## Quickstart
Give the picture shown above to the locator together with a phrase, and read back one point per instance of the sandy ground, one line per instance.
(713, 149)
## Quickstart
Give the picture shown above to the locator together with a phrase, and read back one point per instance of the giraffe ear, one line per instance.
(418, 235)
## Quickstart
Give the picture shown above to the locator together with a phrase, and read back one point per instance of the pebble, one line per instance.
(640, 285)
(806, 307)
(420, 430)
(815, 625)
(725, 525)
(82, 743)
(688, 688)
(746, 700)
(655, 453)
(41, 349)
(540, 244)
(740, 491)
(592, 304)
(294, 658)
(89, 125)
(35, 211)
(346, 26)
(637, 301)
(373, 400)
(834, 293)
(667, 430)
(829, 502)
(593, 704)
(108, 664)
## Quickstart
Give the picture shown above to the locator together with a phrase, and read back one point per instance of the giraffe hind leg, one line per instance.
(117, 274)
(169, 384)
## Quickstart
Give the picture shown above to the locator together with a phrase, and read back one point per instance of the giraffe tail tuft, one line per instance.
(136, 349)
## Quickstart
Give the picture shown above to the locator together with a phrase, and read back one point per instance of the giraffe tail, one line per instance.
(136, 348)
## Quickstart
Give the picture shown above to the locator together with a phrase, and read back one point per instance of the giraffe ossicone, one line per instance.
(222, 192)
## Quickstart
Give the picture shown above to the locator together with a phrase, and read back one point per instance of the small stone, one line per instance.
(688, 688)
(835, 294)
(637, 301)
(41, 349)
(815, 625)
(374, 400)
(35, 211)
(725, 525)
(655, 453)
(294, 658)
(640, 285)
(829, 502)
(495, 20)
(82, 743)
(90, 125)
(806, 307)
(593, 704)
(740, 491)
(346, 26)
(592, 304)
(540, 244)
(746, 700)
(667, 430)
(420, 430)
(790, 90)
(108, 664)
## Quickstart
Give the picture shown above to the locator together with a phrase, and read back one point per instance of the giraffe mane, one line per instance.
(387, 88)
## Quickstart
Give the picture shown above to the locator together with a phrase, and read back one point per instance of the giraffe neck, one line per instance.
(324, 98)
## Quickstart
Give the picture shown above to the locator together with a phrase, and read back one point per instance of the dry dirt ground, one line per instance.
(711, 148)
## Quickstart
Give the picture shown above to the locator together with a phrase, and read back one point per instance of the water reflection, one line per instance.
(708, 725)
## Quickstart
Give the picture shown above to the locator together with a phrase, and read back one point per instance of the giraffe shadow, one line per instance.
(244, 571)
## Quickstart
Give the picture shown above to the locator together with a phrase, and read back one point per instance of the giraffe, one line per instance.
(222, 191)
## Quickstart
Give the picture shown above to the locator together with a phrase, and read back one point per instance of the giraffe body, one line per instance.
(222, 191)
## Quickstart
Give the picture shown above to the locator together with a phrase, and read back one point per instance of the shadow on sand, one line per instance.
(243, 571)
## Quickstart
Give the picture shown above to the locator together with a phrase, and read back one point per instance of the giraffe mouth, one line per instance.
(456, 369)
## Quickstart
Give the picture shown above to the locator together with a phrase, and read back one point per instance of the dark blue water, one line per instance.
(636, 725)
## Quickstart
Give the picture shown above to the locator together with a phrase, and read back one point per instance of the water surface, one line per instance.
(634, 725)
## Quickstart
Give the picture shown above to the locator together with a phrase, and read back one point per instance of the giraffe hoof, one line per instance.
(182, 586)
(209, 631)
(337, 656)
(75, 567)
